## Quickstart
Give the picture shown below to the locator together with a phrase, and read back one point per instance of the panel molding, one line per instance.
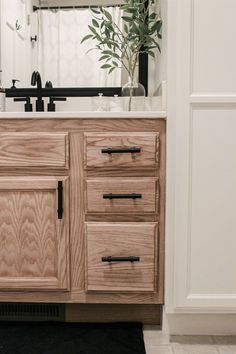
(184, 299)
(212, 98)
(212, 51)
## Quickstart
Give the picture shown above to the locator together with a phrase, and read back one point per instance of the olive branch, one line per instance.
(120, 47)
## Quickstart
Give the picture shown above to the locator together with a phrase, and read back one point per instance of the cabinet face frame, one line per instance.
(23, 208)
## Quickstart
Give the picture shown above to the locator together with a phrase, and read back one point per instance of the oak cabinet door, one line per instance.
(34, 233)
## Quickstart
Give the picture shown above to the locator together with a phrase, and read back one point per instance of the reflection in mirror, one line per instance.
(62, 59)
(48, 40)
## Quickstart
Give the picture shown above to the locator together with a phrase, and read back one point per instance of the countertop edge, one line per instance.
(84, 115)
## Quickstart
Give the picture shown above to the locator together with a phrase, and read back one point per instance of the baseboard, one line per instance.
(147, 314)
(200, 324)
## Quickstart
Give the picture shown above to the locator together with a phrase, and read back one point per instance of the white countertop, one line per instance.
(82, 114)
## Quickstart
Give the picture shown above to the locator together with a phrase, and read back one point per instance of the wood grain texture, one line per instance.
(34, 149)
(120, 240)
(124, 172)
(77, 242)
(147, 314)
(82, 125)
(79, 296)
(147, 157)
(76, 128)
(33, 245)
(127, 217)
(96, 188)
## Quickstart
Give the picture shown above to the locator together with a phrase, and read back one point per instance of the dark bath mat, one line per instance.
(71, 338)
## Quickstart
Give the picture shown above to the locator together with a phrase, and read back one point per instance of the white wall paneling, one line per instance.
(201, 166)
(213, 44)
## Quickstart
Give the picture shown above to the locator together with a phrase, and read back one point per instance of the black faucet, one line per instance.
(36, 79)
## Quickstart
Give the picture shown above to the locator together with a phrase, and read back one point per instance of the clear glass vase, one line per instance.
(134, 95)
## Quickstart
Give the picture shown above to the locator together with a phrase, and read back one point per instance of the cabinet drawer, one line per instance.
(109, 248)
(121, 195)
(129, 150)
(33, 149)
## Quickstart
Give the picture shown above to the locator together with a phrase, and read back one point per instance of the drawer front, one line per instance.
(129, 150)
(34, 149)
(121, 195)
(110, 249)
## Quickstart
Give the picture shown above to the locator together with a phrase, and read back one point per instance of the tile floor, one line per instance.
(158, 342)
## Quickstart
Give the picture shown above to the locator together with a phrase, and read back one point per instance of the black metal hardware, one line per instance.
(13, 311)
(18, 26)
(28, 105)
(132, 150)
(36, 8)
(34, 39)
(36, 80)
(120, 259)
(14, 83)
(39, 105)
(48, 84)
(64, 92)
(122, 196)
(143, 64)
(60, 199)
(51, 104)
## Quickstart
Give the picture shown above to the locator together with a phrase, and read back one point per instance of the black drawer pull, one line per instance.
(131, 150)
(59, 200)
(121, 259)
(122, 196)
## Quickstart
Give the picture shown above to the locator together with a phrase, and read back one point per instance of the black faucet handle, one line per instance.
(13, 83)
(28, 105)
(58, 99)
(48, 84)
(51, 104)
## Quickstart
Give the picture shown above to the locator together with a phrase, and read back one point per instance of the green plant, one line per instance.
(122, 46)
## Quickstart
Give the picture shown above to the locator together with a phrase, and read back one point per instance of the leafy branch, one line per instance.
(120, 47)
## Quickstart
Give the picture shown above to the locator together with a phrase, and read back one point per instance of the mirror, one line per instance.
(60, 56)
(45, 35)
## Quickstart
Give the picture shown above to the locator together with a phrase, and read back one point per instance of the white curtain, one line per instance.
(62, 59)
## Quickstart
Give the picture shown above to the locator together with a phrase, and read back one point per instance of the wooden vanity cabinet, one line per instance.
(74, 192)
